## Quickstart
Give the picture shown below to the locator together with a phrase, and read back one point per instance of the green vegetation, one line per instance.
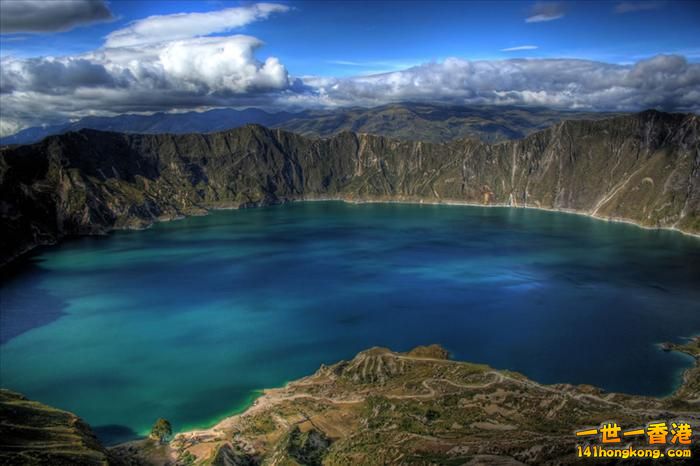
(432, 123)
(161, 430)
(187, 458)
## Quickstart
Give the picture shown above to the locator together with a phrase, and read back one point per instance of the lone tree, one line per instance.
(161, 430)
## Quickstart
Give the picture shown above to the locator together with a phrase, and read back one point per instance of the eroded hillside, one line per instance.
(384, 407)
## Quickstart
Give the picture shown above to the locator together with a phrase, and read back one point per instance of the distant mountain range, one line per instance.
(643, 168)
(406, 121)
(175, 123)
(433, 123)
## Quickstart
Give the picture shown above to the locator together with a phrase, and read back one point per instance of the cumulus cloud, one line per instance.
(204, 65)
(545, 11)
(52, 76)
(629, 7)
(223, 71)
(519, 48)
(188, 73)
(221, 65)
(50, 15)
(666, 82)
(160, 63)
(163, 28)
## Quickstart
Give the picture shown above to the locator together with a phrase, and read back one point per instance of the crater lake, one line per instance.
(189, 319)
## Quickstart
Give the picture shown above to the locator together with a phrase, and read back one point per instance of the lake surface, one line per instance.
(187, 319)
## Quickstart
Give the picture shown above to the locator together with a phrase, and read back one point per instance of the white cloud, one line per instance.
(155, 64)
(203, 65)
(50, 15)
(221, 65)
(205, 71)
(519, 48)
(9, 127)
(545, 11)
(188, 71)
(223, 71)
(666, 82)
(374, 66)
(163, 28)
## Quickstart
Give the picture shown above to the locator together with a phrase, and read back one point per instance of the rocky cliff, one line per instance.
(35, 434)
(643, 168)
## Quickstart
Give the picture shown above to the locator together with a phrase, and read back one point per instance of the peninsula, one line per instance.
(381, 407)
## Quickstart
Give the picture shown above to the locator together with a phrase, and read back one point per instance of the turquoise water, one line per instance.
(187, 319)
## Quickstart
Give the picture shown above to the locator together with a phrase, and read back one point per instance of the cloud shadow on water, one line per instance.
(20, 310)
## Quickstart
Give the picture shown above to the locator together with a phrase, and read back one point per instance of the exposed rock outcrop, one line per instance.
(642, 168)
(35, 434)
(431, 411)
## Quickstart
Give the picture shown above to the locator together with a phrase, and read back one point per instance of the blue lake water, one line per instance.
(187, 319)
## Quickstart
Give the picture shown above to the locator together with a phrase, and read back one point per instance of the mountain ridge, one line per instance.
(643, 168)
(405, 120)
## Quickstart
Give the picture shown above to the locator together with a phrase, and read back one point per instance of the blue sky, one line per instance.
(350, 37)
(392, 33)
(85, 57)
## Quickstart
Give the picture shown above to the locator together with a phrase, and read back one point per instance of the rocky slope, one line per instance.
(419, 407)
(644, 168)
(35, 434)
(381, 407)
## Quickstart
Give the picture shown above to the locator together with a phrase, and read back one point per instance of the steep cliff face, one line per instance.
(644, 168)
